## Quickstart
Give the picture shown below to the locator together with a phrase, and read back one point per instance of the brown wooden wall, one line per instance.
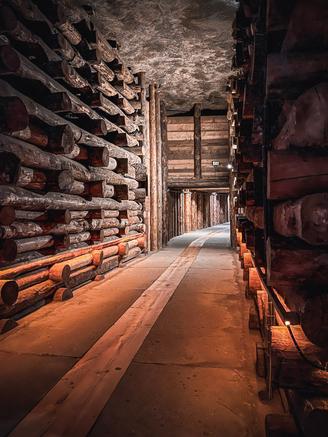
(214, 134)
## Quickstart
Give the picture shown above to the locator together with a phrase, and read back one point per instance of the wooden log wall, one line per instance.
(277, 113)
(73, 147)
(214, 147)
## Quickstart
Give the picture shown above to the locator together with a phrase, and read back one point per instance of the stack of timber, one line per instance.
(277, 113)
(72, 127)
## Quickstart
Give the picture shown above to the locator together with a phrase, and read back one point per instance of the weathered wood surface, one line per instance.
(293, 174)
(153, 169)
(289, 369)
(197, 142)
(305, 218)
(289, 75)
(296, 264)
(307, 121)
(13, 272)
(311, 412)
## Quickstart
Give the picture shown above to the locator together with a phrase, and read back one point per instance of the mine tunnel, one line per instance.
(164, 218)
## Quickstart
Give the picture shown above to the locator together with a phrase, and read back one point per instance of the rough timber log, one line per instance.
(123, 73)
(29, 71)
(314, 319)
(81, 276)
(153, 168)
(289, 75)
(14, 116)
(289, 369)
(254, 282)
(32, 278)
(7, 215)
(296, 263)
(307, 28)
(11, 248)
(8, 292)
(133, 253)
(140, 172)
(13, 272)
(293, 174)
(100, 102)
(123, 104)
(31, 179)
(108, 264)
(58, 136)
(307, 121)
(256, 215)
(31, 295)
(125, 90)
(305, 218)
(159, 170)
(311, 412)
(124, 123)
(27, 200)
(56, 271)
(32, 156)
(30, 229)
(10, 167)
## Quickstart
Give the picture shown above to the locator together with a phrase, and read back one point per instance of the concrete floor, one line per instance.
(193, 376)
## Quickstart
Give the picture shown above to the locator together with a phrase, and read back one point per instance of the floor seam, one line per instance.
(40, 354)
(190, 365)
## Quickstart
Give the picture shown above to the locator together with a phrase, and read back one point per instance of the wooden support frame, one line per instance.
(153, 168)
(165, 218)
(197, 142)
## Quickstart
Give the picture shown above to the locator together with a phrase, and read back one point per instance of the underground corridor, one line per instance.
(163, 218)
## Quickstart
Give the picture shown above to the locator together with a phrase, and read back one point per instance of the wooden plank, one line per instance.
(293, 174)
(179, 127)
(72, 406)
(190, 183)
(205, 143)
(189, 136)
(182, 120)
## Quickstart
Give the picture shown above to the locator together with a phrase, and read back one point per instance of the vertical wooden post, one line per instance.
(194, 211)
(145, 129)
(153, 169)
(164, 171)
(187, 210)
(159, 170)
(197, 142)
(233, 235)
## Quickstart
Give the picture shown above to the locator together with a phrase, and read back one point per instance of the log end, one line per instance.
(8, 292)
(62, 294)
(9, 59)
(14, 114)
(122, 249)
(9, 250)
(9, 168)
(314, 320)
(7, 215)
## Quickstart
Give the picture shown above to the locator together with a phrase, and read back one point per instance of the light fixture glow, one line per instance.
(287, 322)
(229, 166)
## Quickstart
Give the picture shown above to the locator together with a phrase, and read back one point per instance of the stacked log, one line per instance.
(71, 128)
(278, 138)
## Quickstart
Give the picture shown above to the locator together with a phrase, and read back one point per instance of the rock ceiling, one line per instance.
(183, 45)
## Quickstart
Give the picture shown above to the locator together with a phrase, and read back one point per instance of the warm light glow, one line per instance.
(229, 166)
(287, 322)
